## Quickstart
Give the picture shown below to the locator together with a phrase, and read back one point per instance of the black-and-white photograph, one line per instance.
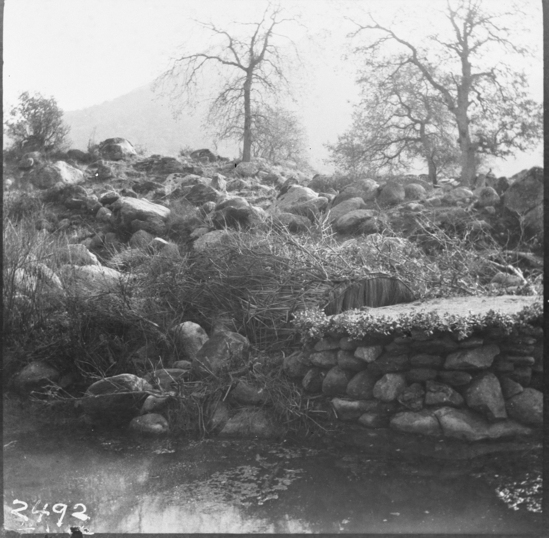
(273, 267)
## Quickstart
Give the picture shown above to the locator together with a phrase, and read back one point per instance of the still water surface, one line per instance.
(216, 486)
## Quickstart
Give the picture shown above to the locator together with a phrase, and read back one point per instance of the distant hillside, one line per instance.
(145, 119)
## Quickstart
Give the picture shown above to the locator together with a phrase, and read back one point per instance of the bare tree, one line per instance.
(278, 135)
(489, 104)
(252, 67)
(398, 119)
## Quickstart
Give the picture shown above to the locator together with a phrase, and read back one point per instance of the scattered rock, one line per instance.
(189, 337)
(220, 352)
(149, 424)
(35, 376)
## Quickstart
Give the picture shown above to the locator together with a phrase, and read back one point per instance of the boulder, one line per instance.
(91, 279)
(149, 424)
(469, 426)
(484, 395)
(423, 422)
(313, 379)
(412, 397)
(246, 394)
(374, 420)
(352, 409)
(414, 191)
(441, 394)
(58, 172)
(296, 195)
(37, 278)
(363, 188)
(221, 352)
(525, 193)
(487, 196)
(252, 423)
(140, 239)
(35, 376)
(116, 399)
(472, 359)
(189, 337)
(213, 241)
(294, 223)
(76, 254)
(352, 222)
(391, 194)
(526, 407)
(347, 361)
(389, 387)
(340, 210)
(129, 212)
(509, 388)
(368, 353)
(455, 378)
(200, 194)
(296, 365)
(233, 212)
(203, 155)
(116, 149)
(336, 381)
(247, 169)
(324, 359)
(361, 386)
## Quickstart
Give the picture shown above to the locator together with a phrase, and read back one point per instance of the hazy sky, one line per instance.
(84, 52)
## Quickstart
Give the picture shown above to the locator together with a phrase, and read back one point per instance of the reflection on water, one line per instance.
(243, 487)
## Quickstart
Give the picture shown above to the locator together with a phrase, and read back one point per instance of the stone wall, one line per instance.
(487, 386)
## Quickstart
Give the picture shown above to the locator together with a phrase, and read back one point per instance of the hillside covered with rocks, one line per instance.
(163, 292)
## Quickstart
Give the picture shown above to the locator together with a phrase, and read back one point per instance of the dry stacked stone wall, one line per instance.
(487, 386)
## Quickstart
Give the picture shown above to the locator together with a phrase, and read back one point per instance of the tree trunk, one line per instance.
(247, 149)
(432, 170)
(467, 158)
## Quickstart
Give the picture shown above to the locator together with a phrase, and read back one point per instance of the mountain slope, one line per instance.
(145, 119)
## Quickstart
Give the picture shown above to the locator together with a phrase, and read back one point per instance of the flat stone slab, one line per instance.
(456, 306)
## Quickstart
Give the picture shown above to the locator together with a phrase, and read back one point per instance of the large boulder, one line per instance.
(363, 188)
(341, 209)
(423, 422)
(525, 193)
(391, 194)
(294, 197)
(527, 407)
(223, 351)
(91, 279)
(35, 376)
(58, 172)
(116, 149)
(484, 395)
(336, 381)
(362, 385)
(128, 212)
(389, 387)
(353, 221)
(469, 426)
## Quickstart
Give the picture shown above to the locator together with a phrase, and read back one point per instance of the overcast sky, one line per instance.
(85, 52)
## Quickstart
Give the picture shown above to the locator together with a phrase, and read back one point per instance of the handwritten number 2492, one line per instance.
(58, 508)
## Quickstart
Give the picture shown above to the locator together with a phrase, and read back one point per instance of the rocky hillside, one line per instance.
(134, 266)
